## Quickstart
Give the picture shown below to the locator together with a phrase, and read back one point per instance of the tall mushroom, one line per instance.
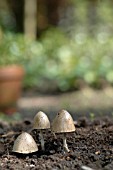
(41, 122)
(25, 144)
(63, 123)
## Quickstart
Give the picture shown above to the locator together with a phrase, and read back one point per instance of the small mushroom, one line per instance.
(41, 122)
(25, 144)
(63, 123)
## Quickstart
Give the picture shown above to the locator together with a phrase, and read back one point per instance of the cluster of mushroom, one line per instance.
(63, 123)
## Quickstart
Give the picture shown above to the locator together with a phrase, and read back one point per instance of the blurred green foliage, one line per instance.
(7, 20)
(13, 49)
(60, 58)
(57, 60)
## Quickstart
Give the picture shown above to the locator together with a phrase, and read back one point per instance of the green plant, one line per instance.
(59, 60)
(92, 116)
(14, 49)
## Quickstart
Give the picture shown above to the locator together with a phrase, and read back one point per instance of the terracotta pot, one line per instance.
(10, 85)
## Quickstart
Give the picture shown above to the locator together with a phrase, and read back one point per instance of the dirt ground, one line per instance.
(91, 147)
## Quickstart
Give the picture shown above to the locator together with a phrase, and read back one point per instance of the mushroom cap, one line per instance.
(63, 123)
(25, 144)
(41, 121)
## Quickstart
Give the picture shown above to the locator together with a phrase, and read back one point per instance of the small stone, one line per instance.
(32, 166)
(97, 152)
(52, 151)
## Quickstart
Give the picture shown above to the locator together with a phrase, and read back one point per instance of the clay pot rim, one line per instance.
(11, 72)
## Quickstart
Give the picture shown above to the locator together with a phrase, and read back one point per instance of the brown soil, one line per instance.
(91, 146)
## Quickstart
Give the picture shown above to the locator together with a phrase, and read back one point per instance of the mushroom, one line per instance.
(63, 123)
(41, 122)
(25, 144)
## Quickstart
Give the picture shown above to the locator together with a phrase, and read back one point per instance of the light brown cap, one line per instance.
(63, 122)
(41, 121)
(25, 144)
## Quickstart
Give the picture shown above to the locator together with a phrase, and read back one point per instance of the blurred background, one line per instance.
(66, 50)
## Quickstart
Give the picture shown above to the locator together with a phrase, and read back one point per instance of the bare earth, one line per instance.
(91, 147)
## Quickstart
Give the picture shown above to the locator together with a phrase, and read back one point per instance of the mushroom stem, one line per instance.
(65, 146)
(42, 140)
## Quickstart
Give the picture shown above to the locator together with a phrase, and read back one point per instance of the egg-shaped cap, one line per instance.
(63, 123)
(41, 121)
(25, 144)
